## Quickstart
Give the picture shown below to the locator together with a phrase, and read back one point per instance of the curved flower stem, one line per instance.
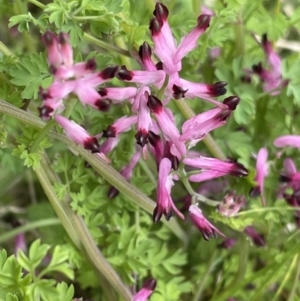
(29, 226)
(5, 50)
(79, 232)
(296, 282)
(37, 3)
(209, 142)
(104, 169)
(103, 45)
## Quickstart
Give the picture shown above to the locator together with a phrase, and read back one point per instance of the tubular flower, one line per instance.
(288, 140)
(146, 291)
(227, 243)
(121, 125)
(261, 173)
(195, 129)
(231, 204)
(165, 203)
(126, 172)
(214, 168)
(166, 124)
(258, 239)
(271, 77)
(203, 225)
(291, 176)
(79, 135)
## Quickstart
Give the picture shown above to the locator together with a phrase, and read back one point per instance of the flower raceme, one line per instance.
(156, 129)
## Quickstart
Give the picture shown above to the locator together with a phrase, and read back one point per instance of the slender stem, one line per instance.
(42, 135)
(37, 3)
(58, 206)
(5, 50)
(105, 46)
(210, 266)
(28, 227)
(161, 91)
(286, 277)
(80, 233)
(148, 171)
(104, 169)
(209, 142)
(277, 7)
(296, 282)
(239, 35)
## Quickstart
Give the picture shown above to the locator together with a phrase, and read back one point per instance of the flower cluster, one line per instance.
(156, 130)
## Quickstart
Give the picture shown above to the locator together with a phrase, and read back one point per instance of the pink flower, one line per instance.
(261, 173)
(203, 225)
(231, 204)
(166, 124)
(291, 175)
(271, 77)
(146, 291)
(121, 125)
(258, 239)
(288, 140)
(126, 172)
(79, 135)
(165, 204)
(196, 128)
(214, 168)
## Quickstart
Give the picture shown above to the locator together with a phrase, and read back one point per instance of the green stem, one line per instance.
(239, 36)
(5, 50)
(42, 135)
(87, 37)
(104, 169)
(211, 265)
(296, 282)
(37, 3)
(28, 227)
(81, 234)
(161, 91)
(209, 142)
(286, 277)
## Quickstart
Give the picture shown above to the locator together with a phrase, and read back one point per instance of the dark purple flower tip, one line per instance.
(109, 72)
(284, 178)
(264, 39)
(227, 243)
(91, 65)
(290, 199)
(258, 69)
(161, 12)
(239, 170)
(175, 162)
(102, 92)
(44, 94)
(246, 79)
(208, 234)
(217, 89)
(92, 145)
(145, 52)
(112, 192)
(255, 192)
(223, 115)
(159, 66)
(142, 137)
(45, 112)
(110, 132)
(48, 38)
(258, 239)
(203, 22)
(124, 74)
(155, 26)
(178, 92)
(150, 284)
(232, 102)
(103, 105)
(62, 38)
(52, 69)
(154, 104)
(153, 138)
(157, 214)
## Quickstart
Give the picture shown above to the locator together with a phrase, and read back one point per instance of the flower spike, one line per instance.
(146, 291)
